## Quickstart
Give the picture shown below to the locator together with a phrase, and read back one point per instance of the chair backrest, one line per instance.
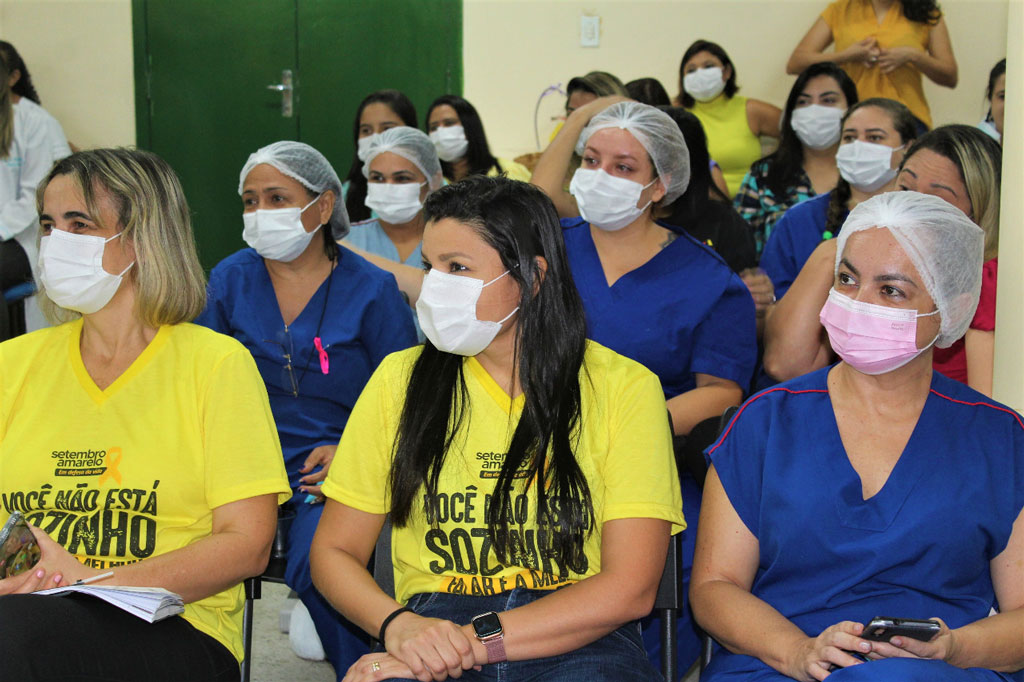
(383, 569)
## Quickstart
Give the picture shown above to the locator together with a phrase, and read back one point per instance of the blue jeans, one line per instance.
(616, 657)
(343, 642)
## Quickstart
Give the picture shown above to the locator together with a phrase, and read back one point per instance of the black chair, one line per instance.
(668, 604)
(254, 590)
(13, 322)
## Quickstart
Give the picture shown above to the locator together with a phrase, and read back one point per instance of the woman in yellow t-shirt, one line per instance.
(139, 446)
(458, 135)
(732, 123)
(885, 46)
(528, 472)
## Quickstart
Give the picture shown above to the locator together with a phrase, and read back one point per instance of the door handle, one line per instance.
(286, 90)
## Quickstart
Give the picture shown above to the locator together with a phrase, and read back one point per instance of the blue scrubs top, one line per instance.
(794, 238)
(364, 319)
(919, 548)
(680, 313)
(369, 236)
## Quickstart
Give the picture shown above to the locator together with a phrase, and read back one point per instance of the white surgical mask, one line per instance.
(277, 234)
(71, 270)
(605, 201)
(704, 84)
(866, 165)
(363, 145)
(817, 126)
(446, 310)
(395, 204)
(450, 142)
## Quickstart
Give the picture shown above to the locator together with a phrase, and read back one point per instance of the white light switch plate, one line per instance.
(590, 31)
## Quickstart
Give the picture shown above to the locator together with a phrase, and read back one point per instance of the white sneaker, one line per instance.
(302, 635)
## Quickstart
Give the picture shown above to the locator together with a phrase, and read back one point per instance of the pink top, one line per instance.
(952, 361)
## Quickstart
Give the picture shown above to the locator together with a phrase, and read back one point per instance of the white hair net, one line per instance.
(411, 144)
(301, 162)
(943, 244)
(659, 135)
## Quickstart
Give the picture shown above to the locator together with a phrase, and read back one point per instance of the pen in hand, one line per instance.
(93, 579)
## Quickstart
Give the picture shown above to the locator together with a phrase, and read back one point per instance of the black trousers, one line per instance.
(78, 638)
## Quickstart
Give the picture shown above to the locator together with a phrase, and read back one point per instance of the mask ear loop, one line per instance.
(937, 334)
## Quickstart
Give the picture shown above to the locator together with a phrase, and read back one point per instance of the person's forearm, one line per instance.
(744, 624)
(690, 408)
(571, 617)
(549, 173)
(794, 340)
(996, 643)
(801, 59)
(408, 278)
(344, 581)
(938, 71)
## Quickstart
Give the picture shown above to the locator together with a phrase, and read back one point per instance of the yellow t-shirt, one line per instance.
(512, 169)
(624, 451)
(134, 471)
(731, 142)
(854, 20)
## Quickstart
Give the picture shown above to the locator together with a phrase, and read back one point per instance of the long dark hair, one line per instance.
(14, 62)
(690, 207)
(520, 223)
(998, 70)
(718, 51)
(786, 164)
(922, 11)
(648, 91)
(355, 198)
(905, 125)
(478, 154)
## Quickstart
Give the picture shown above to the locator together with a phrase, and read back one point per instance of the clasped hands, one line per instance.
(886, 59)
(812, 657)
(425, 649)
(56, 568)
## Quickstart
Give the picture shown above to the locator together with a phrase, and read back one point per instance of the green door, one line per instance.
(204, 69)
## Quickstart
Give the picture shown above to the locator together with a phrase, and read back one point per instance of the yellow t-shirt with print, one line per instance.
(135, 470)
(624, 451)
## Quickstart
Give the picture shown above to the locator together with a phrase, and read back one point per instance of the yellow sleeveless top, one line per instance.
(731, 142)
(855, 20)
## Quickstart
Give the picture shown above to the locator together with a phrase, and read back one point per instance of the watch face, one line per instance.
(487, 625)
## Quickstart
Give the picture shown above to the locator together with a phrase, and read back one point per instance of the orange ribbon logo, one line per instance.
(113, 460)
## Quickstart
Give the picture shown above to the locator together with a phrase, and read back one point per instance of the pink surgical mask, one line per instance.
(873, 339)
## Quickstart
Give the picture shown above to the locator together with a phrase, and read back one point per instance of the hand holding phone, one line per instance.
(19, 550)
(882, 629)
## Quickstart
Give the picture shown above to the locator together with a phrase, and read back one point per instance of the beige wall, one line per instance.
(513, 49)
(79, 53)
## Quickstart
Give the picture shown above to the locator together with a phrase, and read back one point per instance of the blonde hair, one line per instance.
(980, 160)
(6, 112)
(154, 217)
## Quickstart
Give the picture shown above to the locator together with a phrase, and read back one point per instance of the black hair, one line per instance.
(478, 153)
(718, 51)
(905, 124)
(786, 163)
(355, 198)
(922, 11)
(14, 63)
(519, 221)
(689, 208)
(648, 91)
(998, 70)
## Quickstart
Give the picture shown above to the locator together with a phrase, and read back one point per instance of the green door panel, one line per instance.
(349, 48)
(208, 103)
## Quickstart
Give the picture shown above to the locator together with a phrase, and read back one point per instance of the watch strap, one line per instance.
(495, 648)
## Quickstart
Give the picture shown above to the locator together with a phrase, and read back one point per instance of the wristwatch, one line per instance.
(487, 627)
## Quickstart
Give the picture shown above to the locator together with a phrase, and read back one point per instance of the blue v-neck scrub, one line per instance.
(363, 320)
(919, 548)
(681, 313)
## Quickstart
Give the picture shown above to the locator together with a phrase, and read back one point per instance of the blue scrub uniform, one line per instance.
(680, 313)
(369, 236)
(919, 548)
(794, 238)
(363, 320)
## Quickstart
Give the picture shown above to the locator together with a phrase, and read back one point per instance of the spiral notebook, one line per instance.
(151, 604)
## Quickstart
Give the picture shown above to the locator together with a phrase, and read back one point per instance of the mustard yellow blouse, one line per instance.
(854, 20)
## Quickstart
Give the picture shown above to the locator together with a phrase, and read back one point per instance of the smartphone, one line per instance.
(18, 548)
(884, 629)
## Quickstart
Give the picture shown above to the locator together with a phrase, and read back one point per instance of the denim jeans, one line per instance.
(617, 657)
